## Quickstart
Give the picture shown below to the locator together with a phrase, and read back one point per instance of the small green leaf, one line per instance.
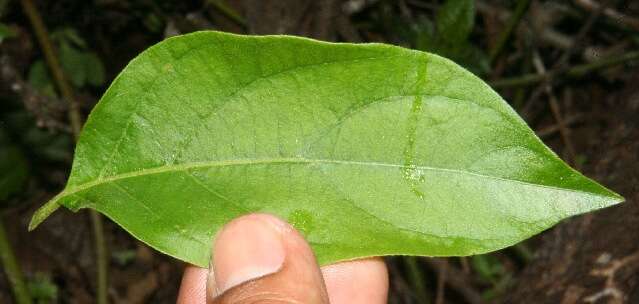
(74, 64)
(425, 35)
(367, 149)
(42, 289)
(13, 168)
(82, 67)
(455, 20)
(39, 78)
(68, 35)
(123, 257)
(465, 54)
(94, 68)
(487, 266)
(6, 32)
(41, 143)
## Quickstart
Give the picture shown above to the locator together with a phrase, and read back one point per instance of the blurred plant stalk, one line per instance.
(66, 90)
(12, 269)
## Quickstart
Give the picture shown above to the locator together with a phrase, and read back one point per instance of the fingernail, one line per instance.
(246, 249)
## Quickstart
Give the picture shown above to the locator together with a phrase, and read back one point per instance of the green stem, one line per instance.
(101, 256)
(12, 270)
(76, 125)
(228, 12)
(574, 72)
(520, 9)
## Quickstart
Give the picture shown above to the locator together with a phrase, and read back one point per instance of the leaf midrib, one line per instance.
(289, 160)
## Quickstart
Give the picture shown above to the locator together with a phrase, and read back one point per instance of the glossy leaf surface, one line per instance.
(367, 149)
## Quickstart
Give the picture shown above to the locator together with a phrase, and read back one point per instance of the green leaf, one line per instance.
(367, 149)
(13, 167)
(68, 35)
(123, 257)
(94, 68)
(6, 32)
(39, 78)
(42, 289)
(464, 54)
(455, 20)
(487, 266)
(425, 35)
(81, 66)
(40, 143)
(14, 171)
(74, 64)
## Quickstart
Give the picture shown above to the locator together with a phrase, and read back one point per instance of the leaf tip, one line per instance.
(33, 224)
(614, 198)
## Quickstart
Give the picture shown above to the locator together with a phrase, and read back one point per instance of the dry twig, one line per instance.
(513, 21)
(560, 65)
(573, 72)
(613, 14)
(556, 111)
(547, 35)
(568, 120)
(456, 279)
(441, 282)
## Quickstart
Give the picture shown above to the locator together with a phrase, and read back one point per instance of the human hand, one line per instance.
(259, 258)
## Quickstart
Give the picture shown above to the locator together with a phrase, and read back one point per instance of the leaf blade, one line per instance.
(208, 126)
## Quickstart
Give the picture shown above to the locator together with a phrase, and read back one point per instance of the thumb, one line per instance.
(259, 258)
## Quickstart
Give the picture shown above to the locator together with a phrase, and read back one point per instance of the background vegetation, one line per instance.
(570, 68)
